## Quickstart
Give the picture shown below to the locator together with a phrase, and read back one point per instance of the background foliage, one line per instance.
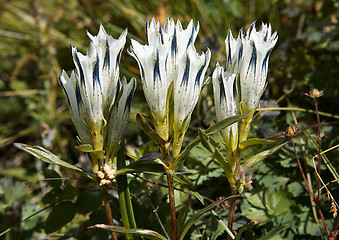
(34, 46)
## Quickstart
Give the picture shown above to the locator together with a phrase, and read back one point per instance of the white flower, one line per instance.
(188, 84)
(256, 49)
(234, 52)
(226, 102)
(119, 118)
(239, 88)
(94, 86)
(170, 57)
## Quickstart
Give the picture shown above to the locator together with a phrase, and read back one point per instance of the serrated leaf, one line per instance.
(141, 166)
(255, 141)
(134, 231)
(47, 156)
(61, 214)
(196, 216)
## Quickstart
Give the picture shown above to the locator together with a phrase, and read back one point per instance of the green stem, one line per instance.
(125, 202)
(231, 213)
(167, 160)
(108, 211)
(172, 204)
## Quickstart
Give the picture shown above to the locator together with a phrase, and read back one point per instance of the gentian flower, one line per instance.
(256, 50)
(172, 73)
(94, 91)
(239, 88)
(226, 100)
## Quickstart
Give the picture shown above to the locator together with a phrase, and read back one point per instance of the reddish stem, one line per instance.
(315, 200)
(319, 146)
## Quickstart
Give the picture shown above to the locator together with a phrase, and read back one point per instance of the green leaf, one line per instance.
(61, 214)
(217, 127)
(142, 166)
(53, 178)
(84, 147)
(255, 141)
(266, 206)
(88, 148)
(211, 130)
(150, 131)
(47, 156)
(247, 226)
(196, 216)
(191, 190)
(221, 227)
(260, 156)
(134, 231)
(182, 215)
(87, 202)
(273, 232)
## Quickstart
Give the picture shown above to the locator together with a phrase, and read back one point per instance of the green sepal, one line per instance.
(196, 216)
(255, 141)
(150, 131)
(134, 231)
(260, 156)
(47, 156)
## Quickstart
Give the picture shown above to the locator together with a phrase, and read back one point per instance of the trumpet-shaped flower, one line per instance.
(226, 102)
(256, 50)
(239, 88)
(119, 118)
(94, 91)
(169, 57)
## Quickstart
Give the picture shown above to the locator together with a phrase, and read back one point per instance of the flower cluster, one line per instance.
(238, 88)
(98, 100)
(242, 182)
(172, 75)
(106, 175)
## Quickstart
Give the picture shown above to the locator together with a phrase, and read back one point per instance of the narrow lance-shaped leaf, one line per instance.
(273, 232)
(247, 226)
(141, 166)
(205, 140)
(47, 156)
(134, 231)
(255, 141)
(196, 216)
(258, 157)
(192, 191)
(149, 131)
(211, 130)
